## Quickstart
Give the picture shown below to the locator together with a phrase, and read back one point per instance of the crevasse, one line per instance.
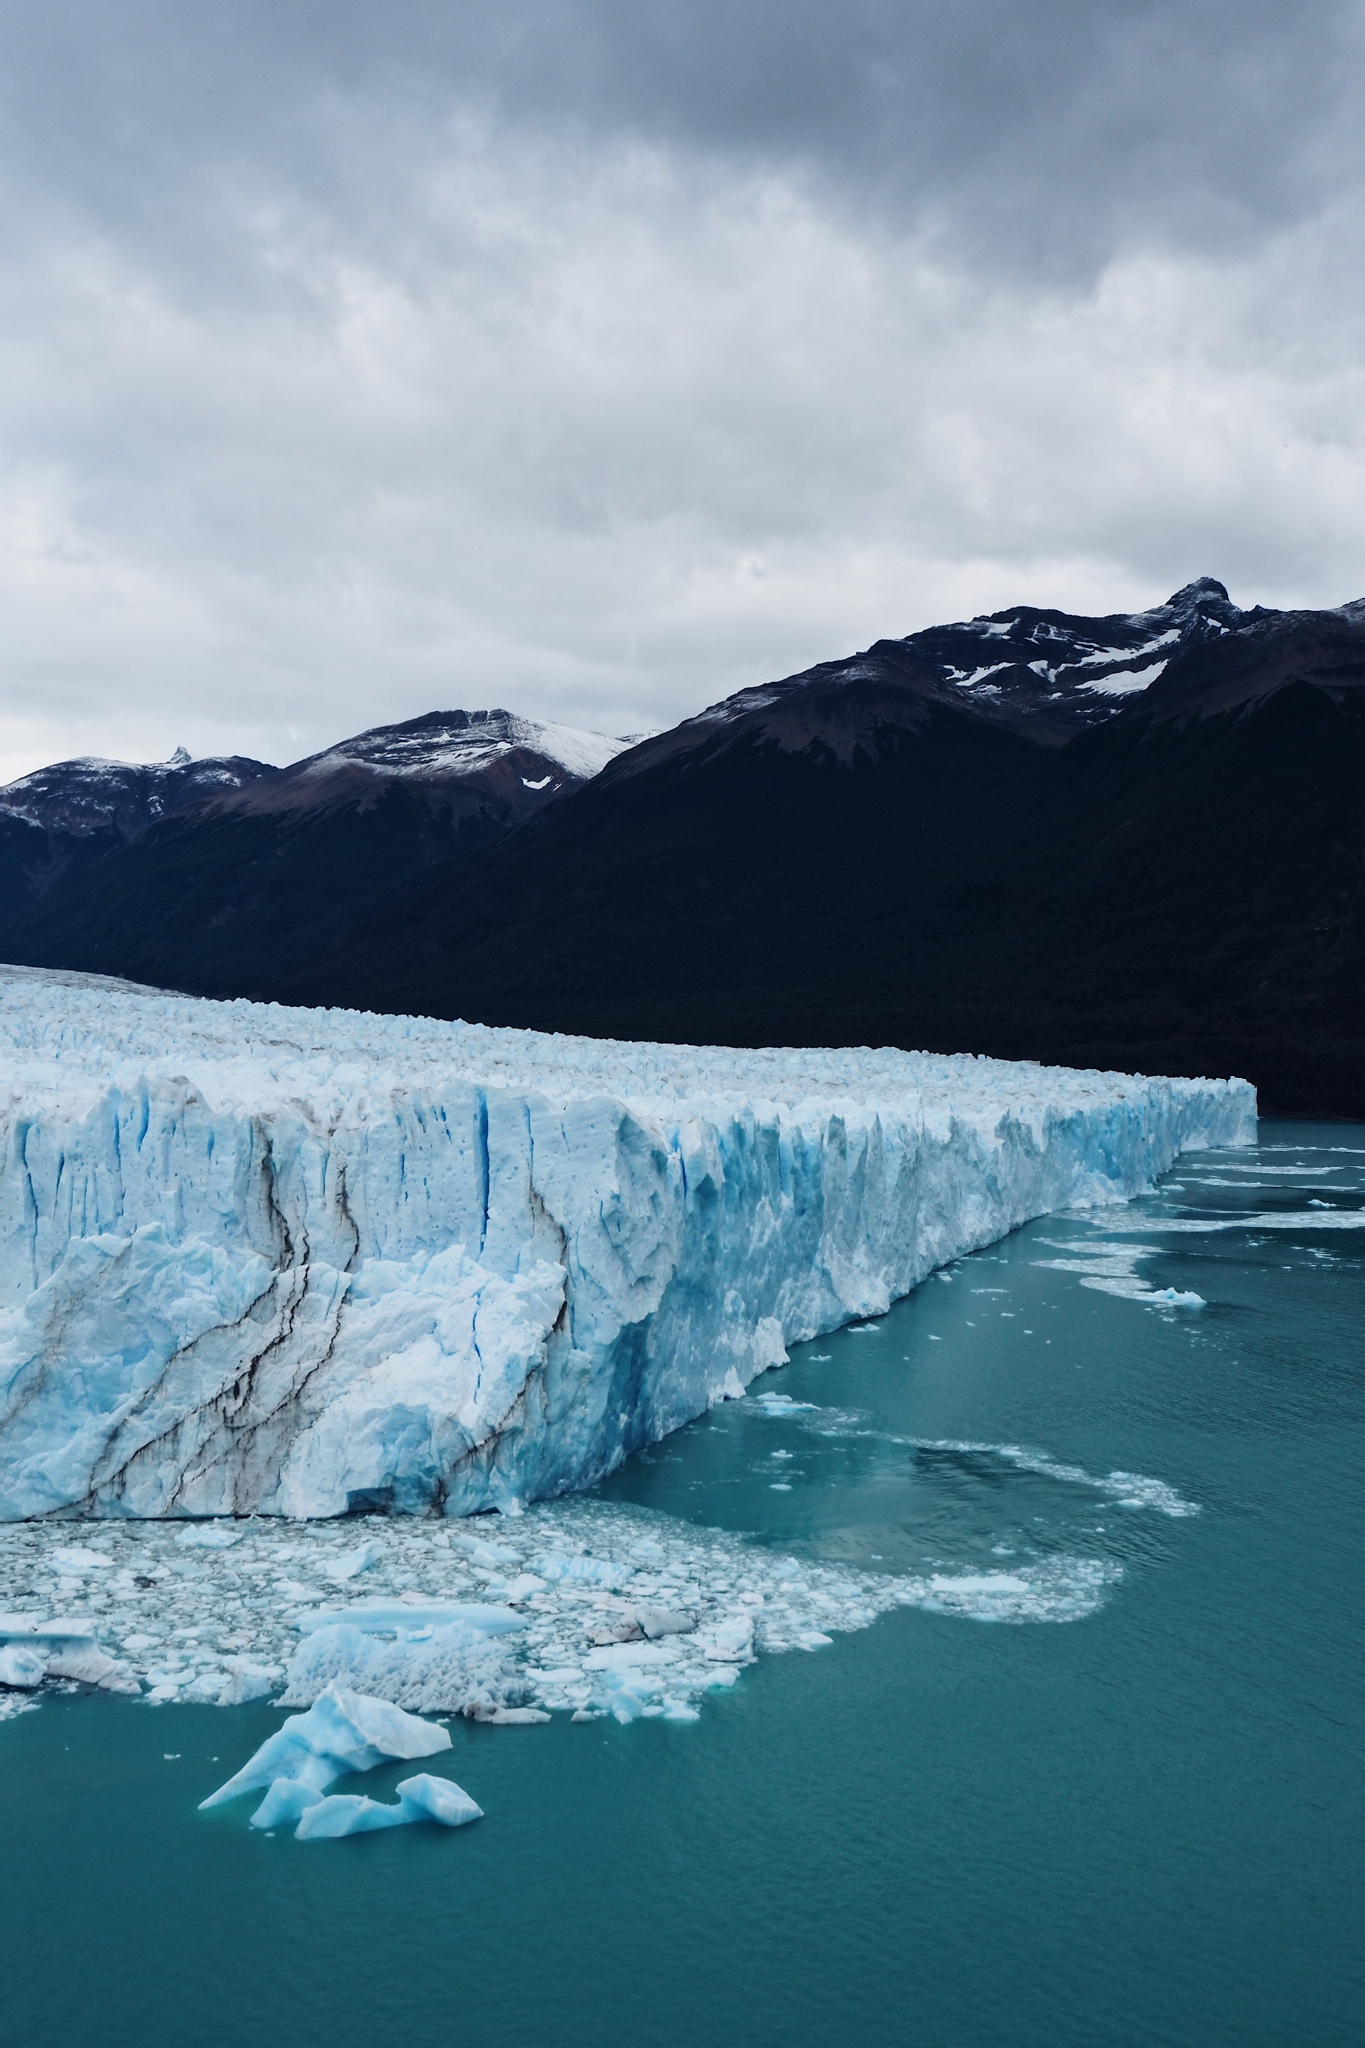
(302, 1262)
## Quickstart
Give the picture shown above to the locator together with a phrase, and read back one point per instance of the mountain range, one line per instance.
(212, 876)
(1133, 841)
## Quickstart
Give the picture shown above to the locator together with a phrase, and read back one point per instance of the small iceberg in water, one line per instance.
(345, 1731)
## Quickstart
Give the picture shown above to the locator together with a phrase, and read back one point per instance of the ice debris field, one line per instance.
(578, 1606)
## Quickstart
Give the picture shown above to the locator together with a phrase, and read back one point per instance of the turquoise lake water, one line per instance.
(1141, 1826)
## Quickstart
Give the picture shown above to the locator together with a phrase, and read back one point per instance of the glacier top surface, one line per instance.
(63, 1033)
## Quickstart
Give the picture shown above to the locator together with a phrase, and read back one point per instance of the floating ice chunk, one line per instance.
(209, 1536)
(68, 1649)
(457, 1669)
(1135, 1490)
(627, 1695)
(620, 1628)
(480, 1552)
(438, 1799)
(342, 1731)
(246, 1680)
(1137, 1290)
(75, 1557)
(205, 1688)
(345, 1813)
(391, 1617)
(20, 1626)
(420, 1798)
(627, 1656)
(577, 1571)
(351, 1562)
(21, 1668)
(731, 1640)
(664, 1621)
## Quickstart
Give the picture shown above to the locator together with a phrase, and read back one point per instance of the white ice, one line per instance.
(420, 1798)
(342, 1731)
(60, 1649)
(654, 1613)
(21, 1666)
(302, 1262)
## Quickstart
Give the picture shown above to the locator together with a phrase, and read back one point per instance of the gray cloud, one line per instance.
(1048, 131)
(601, 357)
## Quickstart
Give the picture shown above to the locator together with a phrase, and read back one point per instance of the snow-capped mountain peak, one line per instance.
(485, 760)
(1049, 673)
(459, 743)
(89, 795)
(1073, 664)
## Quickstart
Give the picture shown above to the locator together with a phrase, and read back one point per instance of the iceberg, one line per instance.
(419, 1798)
(306, 1263)
(345, 1731)
(455, 1668)
(342, 1731)
(58, 1649)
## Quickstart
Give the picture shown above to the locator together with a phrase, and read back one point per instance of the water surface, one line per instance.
(1138, 1826)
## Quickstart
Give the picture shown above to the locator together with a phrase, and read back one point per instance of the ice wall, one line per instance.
(301, 1261)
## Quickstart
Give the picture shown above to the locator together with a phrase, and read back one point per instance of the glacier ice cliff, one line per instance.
(303, 1262)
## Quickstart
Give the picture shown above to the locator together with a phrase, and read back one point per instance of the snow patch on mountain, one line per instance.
(1124, 682)
(446, 743)
(1066, 669)
(89, 794)
(299, 1262)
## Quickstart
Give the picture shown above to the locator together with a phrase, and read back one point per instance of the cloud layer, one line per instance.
(600, 360)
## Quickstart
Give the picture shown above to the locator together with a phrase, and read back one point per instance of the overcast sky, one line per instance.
(599, 357)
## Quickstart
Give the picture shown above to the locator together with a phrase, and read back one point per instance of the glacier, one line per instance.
(262, 1261)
